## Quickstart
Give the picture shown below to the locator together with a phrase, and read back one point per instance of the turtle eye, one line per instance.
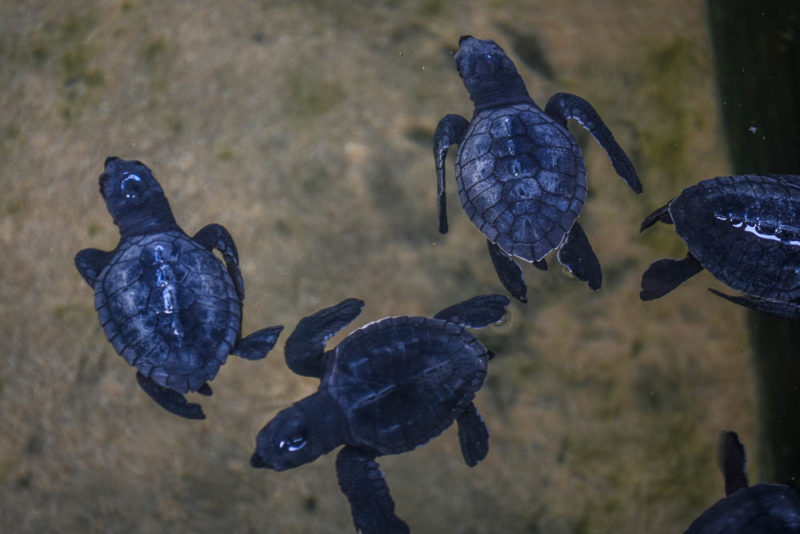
(489, 66)
(131, 186)
(293, 444)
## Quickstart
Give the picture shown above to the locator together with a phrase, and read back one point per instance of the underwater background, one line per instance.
(306, 129)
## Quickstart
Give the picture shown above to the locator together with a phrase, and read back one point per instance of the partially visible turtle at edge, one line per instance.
(745, 230)
(520, 173)
(166, 303)
(387, 388)
(760, 509)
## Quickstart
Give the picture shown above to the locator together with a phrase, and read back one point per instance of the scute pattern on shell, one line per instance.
(745, 230)
(521, 179)
(169, 307)
(765, 508)
(402, 381)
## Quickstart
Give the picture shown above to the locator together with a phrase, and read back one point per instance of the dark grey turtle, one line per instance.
(760, 509)
(166, 303)
(520, 173)
(745, 230)
(387, 388)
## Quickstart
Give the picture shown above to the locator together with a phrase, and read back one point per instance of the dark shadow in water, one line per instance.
(757, 48)
(528, 48)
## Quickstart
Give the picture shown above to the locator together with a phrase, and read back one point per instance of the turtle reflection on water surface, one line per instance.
(387, 388)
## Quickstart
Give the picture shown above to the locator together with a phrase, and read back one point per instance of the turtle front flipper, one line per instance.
(789, 310)
(576, 254)
(564, 106)
(306, 345)
(362, 482)
(509, 272)
(473, 436)
(450, 131)
(169, 399)
(258, 344)
(476, 312)
(665, 275)
(90, 262)
(733, 462)
(215, 236)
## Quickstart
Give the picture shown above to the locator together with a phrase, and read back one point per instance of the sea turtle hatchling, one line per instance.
(745, 230)
(520, 173)
(387, 388)
(166, 303)
(761, 509)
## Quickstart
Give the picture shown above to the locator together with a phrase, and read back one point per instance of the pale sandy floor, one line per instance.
(306, 131)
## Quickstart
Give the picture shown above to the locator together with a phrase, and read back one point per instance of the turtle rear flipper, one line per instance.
(306, 345)
(473, 436)
(169, 399)
(476, 312)
(361, 480)
(576, 254)
(660, 215)
(509, 272)
(449, 131)
(790, 310)
(258, 344)
(732, 461)
(665, 275)
(564, 106)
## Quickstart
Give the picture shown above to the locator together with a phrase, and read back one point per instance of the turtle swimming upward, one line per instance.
(387, 388)
(761, 509)
(745, 230)
(166, 303)
(520, 173)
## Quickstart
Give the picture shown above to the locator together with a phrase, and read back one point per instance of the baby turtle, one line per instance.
(166, 303)
(520, 173)
(763, 508)
(745, 230)
(387, 388)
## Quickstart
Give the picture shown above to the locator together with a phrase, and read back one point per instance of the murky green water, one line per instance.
(305, 128)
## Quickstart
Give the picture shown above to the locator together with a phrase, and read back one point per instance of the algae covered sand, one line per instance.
(306, 129)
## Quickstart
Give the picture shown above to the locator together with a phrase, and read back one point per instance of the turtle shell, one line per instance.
(401, 381)
(745, 230)
(521, 179)
(169, 307)
(761, 508)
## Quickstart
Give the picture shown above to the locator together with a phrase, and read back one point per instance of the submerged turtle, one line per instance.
(389, 387)
(745, 230)
(763, 508)
(166, 303)
(520, 173)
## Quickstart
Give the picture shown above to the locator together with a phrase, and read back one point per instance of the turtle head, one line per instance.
(133, 197)
(298, 435)
(489, 74)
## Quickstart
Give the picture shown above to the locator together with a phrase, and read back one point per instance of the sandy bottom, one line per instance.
(306, 130)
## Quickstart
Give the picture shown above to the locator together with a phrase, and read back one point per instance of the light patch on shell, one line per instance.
(166, 280)
(757, 228)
